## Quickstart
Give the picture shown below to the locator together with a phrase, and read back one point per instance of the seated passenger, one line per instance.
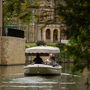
(48, 62)
(38, 60)
(53, 61)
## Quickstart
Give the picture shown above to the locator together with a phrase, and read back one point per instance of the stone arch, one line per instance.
(48, 34)
(55, 35)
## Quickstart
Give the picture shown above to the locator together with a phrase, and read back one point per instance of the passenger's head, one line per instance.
(50, 55)
(53, 57)
(37, 55)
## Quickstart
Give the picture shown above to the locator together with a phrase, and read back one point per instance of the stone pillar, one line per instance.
(44, 35)
(39, 38)
(13, 51)
(51, 35)
(59, 35)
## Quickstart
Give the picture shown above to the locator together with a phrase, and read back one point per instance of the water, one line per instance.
(12, 78)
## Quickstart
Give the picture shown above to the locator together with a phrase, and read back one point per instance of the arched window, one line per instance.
(48, 34)
(55, 35)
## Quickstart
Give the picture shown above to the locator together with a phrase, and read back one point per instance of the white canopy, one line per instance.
(42, 49)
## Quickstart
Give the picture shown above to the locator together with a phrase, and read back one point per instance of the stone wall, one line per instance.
(13, 51)
(0, 26)
(0, 13)
(0, 49)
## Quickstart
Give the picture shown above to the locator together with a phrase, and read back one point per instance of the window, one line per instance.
(55, 35)
(48, 34)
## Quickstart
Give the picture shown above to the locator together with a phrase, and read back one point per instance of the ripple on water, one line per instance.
(29, 82)
(38, 82)
(32, 80)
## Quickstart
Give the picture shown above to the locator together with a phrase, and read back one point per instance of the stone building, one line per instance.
(0, 26)
(12, 49)
(46, 28)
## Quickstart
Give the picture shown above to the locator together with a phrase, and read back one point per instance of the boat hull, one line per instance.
(44, 70)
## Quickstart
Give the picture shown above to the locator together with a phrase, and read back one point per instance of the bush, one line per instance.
(28, 45)
(60, 45)
(40, 43)
(51, 44)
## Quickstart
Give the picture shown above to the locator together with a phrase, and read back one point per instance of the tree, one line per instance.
(76, 16)
(11, 9)
(19, 10)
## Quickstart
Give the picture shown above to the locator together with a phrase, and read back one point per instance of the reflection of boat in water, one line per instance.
(42, 69)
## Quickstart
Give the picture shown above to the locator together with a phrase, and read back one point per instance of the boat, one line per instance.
(42, 69)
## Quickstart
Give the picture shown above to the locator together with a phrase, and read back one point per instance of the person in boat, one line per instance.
(53, 61)
(48, 60)
(38, 60)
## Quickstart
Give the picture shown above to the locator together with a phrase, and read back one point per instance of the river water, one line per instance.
(12, 78)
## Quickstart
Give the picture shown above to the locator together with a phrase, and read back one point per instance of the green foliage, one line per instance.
(40, 43)
(60, 45)
(11, 11)
(18, 10)
(34, 44)
(12, 7)
(63, 51)
(76, 16)
(51, 44)
(28, 45)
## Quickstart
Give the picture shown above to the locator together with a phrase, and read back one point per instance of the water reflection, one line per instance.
(11, 71)
(31, 83)
(12, 78)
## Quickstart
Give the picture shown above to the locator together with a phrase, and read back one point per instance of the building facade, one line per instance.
(46, 27)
